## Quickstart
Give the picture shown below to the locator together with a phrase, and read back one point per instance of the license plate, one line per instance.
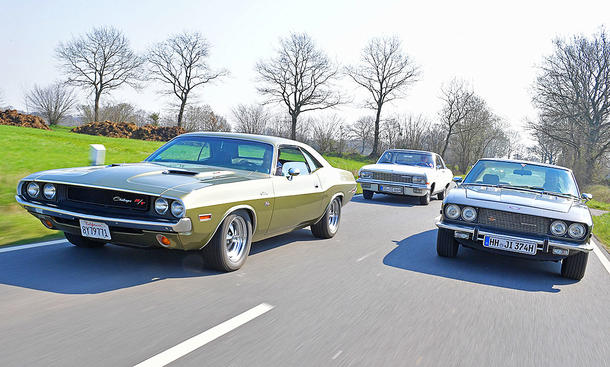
(94, 230)
(510, 244)
(390, 189)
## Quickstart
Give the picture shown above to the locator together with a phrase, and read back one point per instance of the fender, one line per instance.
(339, 194)
(229, 211)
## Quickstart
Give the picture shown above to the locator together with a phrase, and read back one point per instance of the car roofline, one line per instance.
(519, 161)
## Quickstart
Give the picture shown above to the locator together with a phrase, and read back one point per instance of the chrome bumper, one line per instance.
(182, 226)
(584, 247)
(409, 186)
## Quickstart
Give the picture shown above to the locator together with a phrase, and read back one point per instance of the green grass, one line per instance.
(601, 229)
(601, 200)
(25, 150)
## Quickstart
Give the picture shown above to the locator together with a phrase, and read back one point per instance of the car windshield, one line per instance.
(421, 159)
(553, 180)
(215, 151)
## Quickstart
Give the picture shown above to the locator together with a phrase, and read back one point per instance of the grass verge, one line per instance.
(601, 229)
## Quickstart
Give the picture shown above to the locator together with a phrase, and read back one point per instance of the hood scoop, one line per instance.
(180, 172)
(200, 175)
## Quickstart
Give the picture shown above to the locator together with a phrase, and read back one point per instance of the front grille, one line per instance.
(108, 198)
(516, 222)
(392, 177)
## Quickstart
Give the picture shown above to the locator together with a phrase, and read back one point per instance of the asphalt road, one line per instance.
(375, 295)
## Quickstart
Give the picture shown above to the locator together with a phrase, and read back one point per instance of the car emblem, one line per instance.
(528, 224)
(514, 207)
(491, 219)
(122, 200)
(267, 203)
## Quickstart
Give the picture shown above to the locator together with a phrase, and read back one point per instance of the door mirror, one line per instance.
(586, 196)
(294, 171)
(457, 179)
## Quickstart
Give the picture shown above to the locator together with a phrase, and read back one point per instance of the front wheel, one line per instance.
(425, 200)
(441, 195)
(230, 246)
(573, 267)
(446, 245)
(328, 226)
(80, 241)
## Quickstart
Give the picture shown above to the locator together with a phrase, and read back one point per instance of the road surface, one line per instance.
(375, 295)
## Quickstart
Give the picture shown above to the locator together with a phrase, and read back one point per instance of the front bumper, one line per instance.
(409, 189)
(183, 225)
(543, 245)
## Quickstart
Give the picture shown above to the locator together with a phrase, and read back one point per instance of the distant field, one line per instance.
(26, 150)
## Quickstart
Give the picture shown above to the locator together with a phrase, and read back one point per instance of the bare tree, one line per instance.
(299, 76)
(52, 102)
(458, 100)
(572, 94)
(324, 133)
(202, 118)
(180, 62)
(362, 130)
(99, 61)
(251, 119)
(413, 130)
(385, 72)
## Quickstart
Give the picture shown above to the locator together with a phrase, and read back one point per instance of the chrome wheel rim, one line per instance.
(333, 215)
(236, 239)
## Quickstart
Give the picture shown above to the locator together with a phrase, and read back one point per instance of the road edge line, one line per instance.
(604, 260)
(31, 245)
(198, 341)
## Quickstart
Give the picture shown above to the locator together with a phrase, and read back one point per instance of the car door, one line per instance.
(444, 175)
(297, 190)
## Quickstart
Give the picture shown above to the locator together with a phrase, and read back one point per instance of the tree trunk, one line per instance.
(446, 143)
(375, 152)
(181, 112)
(293, 128)
(96, 107)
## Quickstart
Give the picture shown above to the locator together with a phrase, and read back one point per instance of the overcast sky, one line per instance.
(495, 47)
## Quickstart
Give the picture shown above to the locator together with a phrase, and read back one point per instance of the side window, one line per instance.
(439, 162)
(291, 157)
(313, 164)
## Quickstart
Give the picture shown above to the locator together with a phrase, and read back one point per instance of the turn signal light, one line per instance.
(164, 241)
(47, 223)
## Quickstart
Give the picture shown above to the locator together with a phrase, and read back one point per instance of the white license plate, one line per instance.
(94, 230)
(510, 244)
(391, 189)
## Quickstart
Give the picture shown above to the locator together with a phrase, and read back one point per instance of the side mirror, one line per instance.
(457, 179)
(586, 196)
(294, 172)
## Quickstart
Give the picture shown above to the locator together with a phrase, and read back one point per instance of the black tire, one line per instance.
(368, 195)
(441, 195)
(425, 200)
(573, 267)
(446, 245)
(229, 255)
(80, 241)
(328, 226)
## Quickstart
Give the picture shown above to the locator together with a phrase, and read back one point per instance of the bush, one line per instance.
(129, 130)
(157, 133)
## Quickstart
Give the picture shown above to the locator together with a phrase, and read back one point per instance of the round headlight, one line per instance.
(452, 211)
(49, 191)
(161, 206)
(177, 209)
(469, 214)
(33, 189)
(365, 174)
(577, 230)
(558, 228)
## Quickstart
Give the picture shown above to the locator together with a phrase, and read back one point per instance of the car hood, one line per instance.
(397, 168)
(145, 177)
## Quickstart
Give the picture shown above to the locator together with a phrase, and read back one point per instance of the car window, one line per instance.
(311, 161)
(291, 157)
(385, 158)
(215, 151)
(439, 162)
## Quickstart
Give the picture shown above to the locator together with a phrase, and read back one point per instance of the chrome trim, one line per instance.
(182, 226)
(394, 183)
(583, 247)
(231, 210)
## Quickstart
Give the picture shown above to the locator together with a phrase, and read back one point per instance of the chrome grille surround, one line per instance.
(392, 177)
(515, 222)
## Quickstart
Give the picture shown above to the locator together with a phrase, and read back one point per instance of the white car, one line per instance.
(406, 172)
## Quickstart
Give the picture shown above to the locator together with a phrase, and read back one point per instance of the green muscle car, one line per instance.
(213, 192)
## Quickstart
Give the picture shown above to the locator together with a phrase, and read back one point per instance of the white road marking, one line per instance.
(337, 355)
(23, 247)
(365, 256)
(601, 256)
(202, 339)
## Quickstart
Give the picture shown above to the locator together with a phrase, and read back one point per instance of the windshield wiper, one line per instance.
(537, 189)
(478, 184)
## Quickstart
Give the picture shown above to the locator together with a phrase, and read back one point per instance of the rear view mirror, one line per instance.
(586, 196)
(294, 171)
(522, 172)
(458, 179)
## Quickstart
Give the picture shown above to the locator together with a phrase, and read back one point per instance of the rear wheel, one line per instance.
(446, 245)
(81, 241)
(368, 195)
(328, 226)
(573, 267)
(425, 200)
(230, 246)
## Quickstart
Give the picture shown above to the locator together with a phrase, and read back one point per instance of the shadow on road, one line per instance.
(418, 253)
(388, 200)
(71, 270)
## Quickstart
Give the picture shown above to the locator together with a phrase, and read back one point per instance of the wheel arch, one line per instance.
(251, 213)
